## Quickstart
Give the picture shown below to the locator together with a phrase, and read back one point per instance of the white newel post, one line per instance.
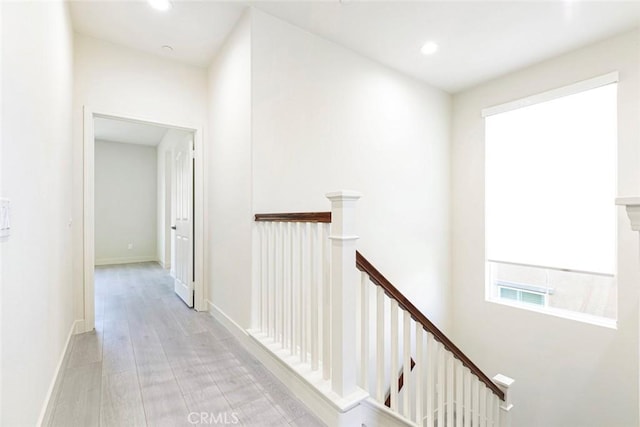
(504, 383)
(632, 206)
(344, 279)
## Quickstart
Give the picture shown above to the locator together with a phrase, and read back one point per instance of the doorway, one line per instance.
(180, 179)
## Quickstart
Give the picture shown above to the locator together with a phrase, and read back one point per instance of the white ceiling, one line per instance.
(128, 132)
(195, 29)
(479, 40)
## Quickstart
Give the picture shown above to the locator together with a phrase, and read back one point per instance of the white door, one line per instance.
(183, 173)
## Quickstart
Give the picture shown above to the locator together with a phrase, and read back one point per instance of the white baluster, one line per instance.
(380, 344)
(284, 293)
(467, 397)
(364, 331)
(295, 285)
(326, 304)
(291, 301)
(278, 281)
(289, 287)
(406, 371)
(272, 280)
(482, 410)
(304, 291)
(319, 337)
(475, 398)
(450, 391)
(265, 281)
(441, 384)
(419, 373)
(319, 280)
(308, 286)
(490, 408)
(313, 295)
(459, 389)
(359, 329)
(432, 351)
(264, 271)
(300, 316)
(394, 356)
(496, 412)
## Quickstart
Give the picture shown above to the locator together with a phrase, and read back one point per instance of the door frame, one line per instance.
(89, 205)
(167, 253)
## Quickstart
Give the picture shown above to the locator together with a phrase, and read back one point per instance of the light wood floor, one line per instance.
(154, 362)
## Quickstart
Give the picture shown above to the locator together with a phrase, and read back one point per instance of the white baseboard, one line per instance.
(236, 330)
(46, 412)
(125, 260)
(317, 402)
(78, 327)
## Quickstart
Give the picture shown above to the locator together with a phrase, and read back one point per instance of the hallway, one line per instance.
(154, 362)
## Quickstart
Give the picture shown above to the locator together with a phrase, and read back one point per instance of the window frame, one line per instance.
(492, 290)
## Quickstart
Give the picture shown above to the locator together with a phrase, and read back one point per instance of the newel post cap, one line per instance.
(343, 195)
(503, 380)
(632, 205)
(628, 201)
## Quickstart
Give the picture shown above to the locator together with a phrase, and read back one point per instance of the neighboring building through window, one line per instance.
(550, 185)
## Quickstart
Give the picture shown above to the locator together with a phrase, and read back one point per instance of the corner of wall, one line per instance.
(229, 180)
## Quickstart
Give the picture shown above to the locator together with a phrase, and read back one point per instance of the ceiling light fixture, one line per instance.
(429, 48)
(162, 5)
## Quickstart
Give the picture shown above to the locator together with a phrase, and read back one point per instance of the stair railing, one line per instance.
(354, 331)
(444, 384)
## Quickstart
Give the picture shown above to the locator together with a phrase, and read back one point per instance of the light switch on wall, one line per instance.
(5, 223)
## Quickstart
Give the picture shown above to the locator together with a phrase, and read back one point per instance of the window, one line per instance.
(521, 295)
(550, 185)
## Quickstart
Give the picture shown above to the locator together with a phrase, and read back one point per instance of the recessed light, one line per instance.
(167, 49)
(429, 48)
(162, 5)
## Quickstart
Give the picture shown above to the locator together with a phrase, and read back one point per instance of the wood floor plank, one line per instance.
(84, 411)
(208, 399)
(78, 403)
(164, 404)
(192, 378)
(121, 404)
(260, 412)
(117, 356)
(152, 364)
(87, 349)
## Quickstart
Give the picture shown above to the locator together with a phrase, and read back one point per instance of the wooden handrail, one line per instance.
(377, 278)
(387, 402)
(295, 217)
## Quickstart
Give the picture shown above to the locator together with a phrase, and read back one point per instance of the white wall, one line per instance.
(567, 373)
(121, 81)
(1, 193)
(325, 118)
(228, 157)
(293, 116)
(125, 203)
(36, 305)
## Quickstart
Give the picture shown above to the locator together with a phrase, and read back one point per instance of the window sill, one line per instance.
(564, 314)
